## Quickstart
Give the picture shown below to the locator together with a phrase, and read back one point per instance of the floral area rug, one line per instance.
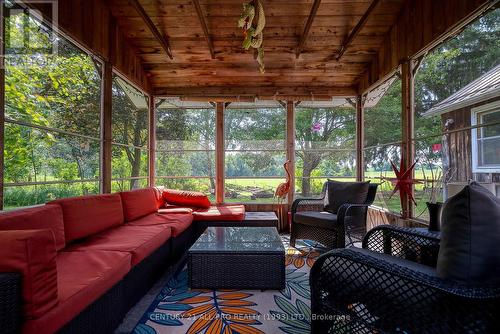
(178, 309)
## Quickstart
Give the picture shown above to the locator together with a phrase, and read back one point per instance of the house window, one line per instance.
(486, 139)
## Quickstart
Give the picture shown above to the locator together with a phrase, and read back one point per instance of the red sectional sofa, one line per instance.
(79, 264)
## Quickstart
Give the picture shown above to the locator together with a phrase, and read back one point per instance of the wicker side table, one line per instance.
(237, 258)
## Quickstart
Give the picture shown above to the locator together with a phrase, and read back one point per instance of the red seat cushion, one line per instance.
(138, 203)
(83, 277)
(32, 253)
(177, 222)
(42, 217)
(149, 220)
(186, 198)
(140, 241)
(220, 213)
(87, 215)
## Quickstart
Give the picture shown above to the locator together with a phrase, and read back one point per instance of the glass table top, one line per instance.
(239, 239)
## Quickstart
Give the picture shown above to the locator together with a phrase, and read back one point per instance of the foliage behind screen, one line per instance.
(129, 129)
(60, 93)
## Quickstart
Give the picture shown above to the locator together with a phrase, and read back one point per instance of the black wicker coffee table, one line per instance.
(237, 258)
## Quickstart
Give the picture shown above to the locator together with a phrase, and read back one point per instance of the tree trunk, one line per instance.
(136, 168)
(79, 166)
(135, 158)
(210, 174)
(306, 180)
(32, 153)
(311, 161)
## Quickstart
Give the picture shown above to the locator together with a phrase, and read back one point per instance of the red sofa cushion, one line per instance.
(138, 203)
(151, 219)
(140, 241)
(160, 202)
(33, 254)
(220, 213)
(87, 215)
(177, 222)
(172, 209)
(83, 277)
(42, 217)
(186, 198)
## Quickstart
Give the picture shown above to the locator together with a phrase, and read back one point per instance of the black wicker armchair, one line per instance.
(386, 288)
(327, 228)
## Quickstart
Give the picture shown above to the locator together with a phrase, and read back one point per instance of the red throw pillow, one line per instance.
(186, 198)
(32, 253)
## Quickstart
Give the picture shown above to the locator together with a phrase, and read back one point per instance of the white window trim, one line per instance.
(490, 107)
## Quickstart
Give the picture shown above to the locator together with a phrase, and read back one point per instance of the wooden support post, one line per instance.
(152, 141)
(407, 126)
(290, 146)
(360, 139)
(290, 155)
(220, 153)
(106, 132)
(2, 105)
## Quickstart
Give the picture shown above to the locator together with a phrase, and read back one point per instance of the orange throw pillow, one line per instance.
(186, 198)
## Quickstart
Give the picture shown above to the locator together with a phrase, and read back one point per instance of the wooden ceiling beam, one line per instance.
(163, 40)
(355, 31)
(307, 27)
(241, 93)
(215, 99)
(203, 23)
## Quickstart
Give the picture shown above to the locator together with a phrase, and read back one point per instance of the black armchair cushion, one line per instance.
(321, 219)
(338, 193)
(470, 237)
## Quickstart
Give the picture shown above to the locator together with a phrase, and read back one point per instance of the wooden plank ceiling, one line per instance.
(352, 29)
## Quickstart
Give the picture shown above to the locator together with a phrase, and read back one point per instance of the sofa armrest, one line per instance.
(353, 291)
(403, 242)
(32, 253)
(10, 302)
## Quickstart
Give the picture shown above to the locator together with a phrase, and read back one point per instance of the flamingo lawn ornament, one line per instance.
(282, 191)
(283, 188)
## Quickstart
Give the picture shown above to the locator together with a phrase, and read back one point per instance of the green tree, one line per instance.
(60, 91)
(129, 127)
(455, 63)
(318, 129)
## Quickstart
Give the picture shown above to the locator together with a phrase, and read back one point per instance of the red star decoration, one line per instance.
(403, 182)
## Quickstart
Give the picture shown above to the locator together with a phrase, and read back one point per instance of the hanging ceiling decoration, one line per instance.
(253, 29)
